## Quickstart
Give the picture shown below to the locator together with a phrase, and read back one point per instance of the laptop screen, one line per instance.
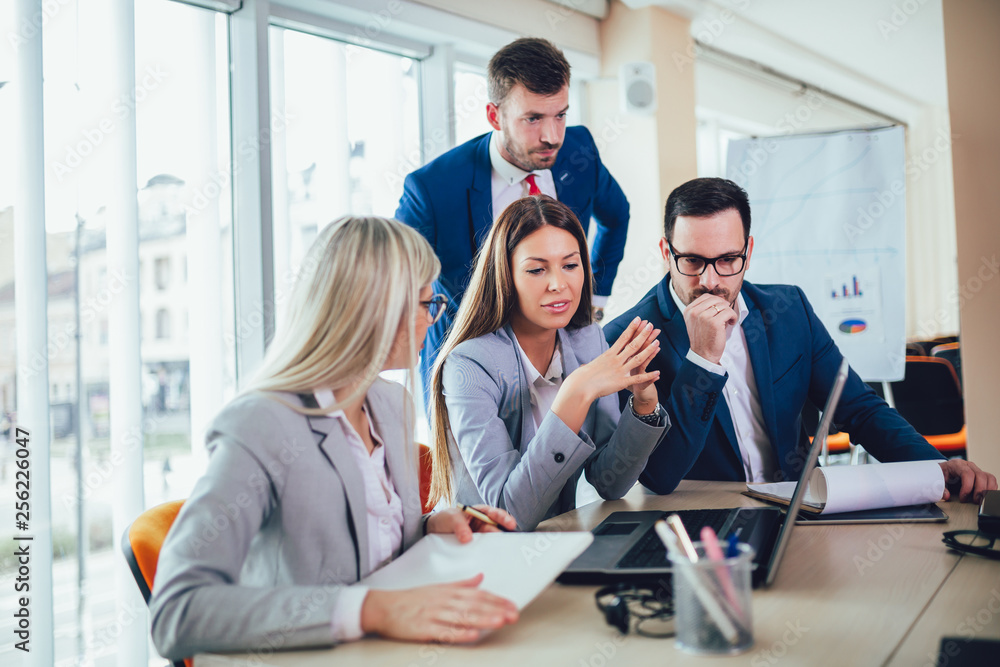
(800, 489)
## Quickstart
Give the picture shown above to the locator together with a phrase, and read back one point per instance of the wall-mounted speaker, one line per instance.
(638, 87)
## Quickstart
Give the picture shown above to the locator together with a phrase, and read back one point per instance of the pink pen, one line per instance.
(714, 553)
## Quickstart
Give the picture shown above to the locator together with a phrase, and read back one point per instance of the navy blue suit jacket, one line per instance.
(450, 201)
(794, 359)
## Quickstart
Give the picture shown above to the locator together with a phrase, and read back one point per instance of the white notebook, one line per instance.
(836, 489)
(517, 566)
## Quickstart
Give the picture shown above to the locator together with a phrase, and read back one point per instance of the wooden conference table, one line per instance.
(881, 594)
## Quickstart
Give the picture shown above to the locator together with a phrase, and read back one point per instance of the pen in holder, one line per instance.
(711, 596)
(713, 615)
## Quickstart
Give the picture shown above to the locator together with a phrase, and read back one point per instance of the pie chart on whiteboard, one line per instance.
(853, 326)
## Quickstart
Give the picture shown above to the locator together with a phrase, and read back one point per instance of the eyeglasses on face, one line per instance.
(973, 542)
(695, 265)
(435, 306)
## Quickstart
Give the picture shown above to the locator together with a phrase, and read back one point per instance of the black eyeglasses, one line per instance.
(435, 306)
(645, 610)
(973, 542)
(695, 265)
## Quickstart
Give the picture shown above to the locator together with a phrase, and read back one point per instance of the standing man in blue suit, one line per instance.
(738, 361)
(454, 199)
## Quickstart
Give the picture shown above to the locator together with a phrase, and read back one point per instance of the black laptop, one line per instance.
(627, 549)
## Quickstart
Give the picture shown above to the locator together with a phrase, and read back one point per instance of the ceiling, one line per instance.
(884, 54)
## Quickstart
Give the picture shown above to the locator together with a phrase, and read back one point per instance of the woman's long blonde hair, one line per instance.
(489, 302)
(359, 285)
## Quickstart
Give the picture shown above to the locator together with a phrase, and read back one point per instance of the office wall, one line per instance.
(972, 53)
(561, 24)
(747, 102)
(649, 155)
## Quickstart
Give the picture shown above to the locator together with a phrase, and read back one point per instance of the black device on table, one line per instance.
(627, 549)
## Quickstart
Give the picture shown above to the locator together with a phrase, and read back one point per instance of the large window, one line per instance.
(8, 180)
(344, 129)
(181, 110)
(470, 103)
(345, 132)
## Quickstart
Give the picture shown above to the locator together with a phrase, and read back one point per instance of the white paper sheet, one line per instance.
(874, 486)
(866, 487)
(517, 566)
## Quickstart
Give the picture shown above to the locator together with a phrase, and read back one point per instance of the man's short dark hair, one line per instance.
(704, 197)
(534, 63)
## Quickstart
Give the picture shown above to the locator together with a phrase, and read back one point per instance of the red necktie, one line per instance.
(532, 187)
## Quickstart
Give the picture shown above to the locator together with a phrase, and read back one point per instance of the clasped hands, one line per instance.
(621, 366)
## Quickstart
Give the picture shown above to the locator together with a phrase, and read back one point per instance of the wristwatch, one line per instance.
(654, 418)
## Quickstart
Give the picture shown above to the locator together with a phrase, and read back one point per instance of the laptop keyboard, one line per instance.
(649, 550)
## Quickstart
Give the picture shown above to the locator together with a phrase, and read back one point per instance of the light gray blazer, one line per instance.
(497, 455)
(276, 527)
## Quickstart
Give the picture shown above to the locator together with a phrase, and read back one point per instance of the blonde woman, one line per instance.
(312, 481)
(525, 392)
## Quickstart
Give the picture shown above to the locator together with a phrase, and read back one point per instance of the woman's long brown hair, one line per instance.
(489, 301)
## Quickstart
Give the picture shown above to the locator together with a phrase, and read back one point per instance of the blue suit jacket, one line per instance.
(794, 359)
(450, 202)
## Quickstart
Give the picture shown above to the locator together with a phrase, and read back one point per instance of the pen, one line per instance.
(714, 552)
(732, 551)
(707, 598)
(675, 523)
(477, 514)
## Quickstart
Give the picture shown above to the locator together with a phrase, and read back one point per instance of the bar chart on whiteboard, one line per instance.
(829, 215)
(854, 303)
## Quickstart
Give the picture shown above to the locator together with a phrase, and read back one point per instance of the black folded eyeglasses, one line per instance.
(973, 542)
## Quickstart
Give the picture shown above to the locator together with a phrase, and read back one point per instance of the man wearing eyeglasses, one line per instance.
(738, 361)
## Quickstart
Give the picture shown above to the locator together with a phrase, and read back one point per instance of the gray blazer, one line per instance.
(497, 455)
(275, 528)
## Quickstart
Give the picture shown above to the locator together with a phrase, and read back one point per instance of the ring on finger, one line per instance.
(717, 309)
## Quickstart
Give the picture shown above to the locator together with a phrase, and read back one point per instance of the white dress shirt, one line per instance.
(508, 185)
(542, 388)
(742, 397)
(508, 182)
(384, 512)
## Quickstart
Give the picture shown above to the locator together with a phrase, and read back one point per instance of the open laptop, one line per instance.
(627, 549)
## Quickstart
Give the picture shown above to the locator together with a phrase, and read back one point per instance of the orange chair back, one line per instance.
(952, 353)
(426, 468)
(838, 443)
(142, 542)
(930, 398)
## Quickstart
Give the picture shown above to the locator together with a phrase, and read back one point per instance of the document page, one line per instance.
(517, 566)
(836, 489)
(874, 486)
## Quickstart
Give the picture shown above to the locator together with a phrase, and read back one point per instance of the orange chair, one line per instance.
(930, 398)
(141, 544)
(937, 340)
(426, 467)
(837, 442)
(952, 353)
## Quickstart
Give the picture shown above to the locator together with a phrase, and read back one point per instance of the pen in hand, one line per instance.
(478, 514)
